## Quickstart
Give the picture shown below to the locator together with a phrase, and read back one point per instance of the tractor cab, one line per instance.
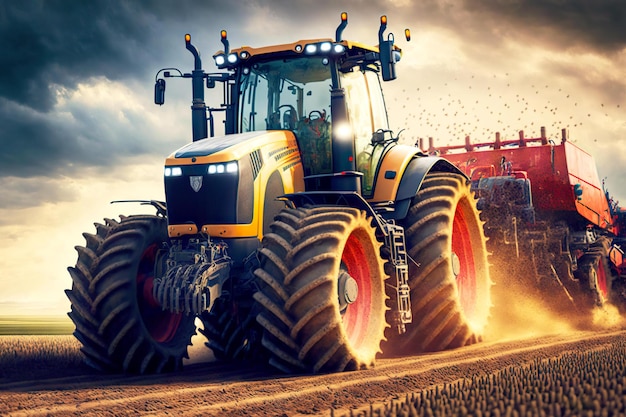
(326, 92)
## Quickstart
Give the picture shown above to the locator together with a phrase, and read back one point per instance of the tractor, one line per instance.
(553, 229)
(305, 237)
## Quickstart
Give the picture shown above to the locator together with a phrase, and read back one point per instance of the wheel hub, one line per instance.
(348, 289)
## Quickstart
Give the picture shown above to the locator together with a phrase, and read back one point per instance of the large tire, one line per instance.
(448, 270)
(305, 263)
(595, 275)
(231, 333)
(118, 322)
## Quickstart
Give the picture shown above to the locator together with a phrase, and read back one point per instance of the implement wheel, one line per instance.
(118, 322)
(448, 274)
(595, 275)
(322, 292)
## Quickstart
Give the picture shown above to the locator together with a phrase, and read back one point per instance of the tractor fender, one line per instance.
(412, 178)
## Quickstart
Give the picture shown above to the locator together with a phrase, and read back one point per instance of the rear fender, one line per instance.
(412, 179)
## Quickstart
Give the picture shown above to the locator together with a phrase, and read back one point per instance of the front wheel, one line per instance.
(118, 322)
(322, 290)
(448, 269)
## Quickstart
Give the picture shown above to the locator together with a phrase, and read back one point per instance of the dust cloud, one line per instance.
(608, 317)
(522, 312)
(518, 314)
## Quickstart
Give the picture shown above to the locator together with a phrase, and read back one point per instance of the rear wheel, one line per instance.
(120, 325)
(322, 290)
(448, 274)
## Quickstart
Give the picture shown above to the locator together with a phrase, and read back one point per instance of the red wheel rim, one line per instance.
(601, 277)
(357, 315)
(462, 247)
(162, 325)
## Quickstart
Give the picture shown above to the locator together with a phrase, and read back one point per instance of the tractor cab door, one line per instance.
(291, 94)
(367, 114)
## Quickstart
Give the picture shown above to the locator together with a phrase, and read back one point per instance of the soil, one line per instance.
(51, 380)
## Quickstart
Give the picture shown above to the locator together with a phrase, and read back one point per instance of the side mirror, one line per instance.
(385, 47)
(387, 60)
(159, 92)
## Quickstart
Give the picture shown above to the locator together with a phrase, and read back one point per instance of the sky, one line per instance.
(79, 129)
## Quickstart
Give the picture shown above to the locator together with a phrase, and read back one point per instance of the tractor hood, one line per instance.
(213, 145)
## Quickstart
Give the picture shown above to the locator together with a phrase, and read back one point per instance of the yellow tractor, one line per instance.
(306, 236)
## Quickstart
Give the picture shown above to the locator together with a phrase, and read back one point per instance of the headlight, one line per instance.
(227, 167)
(173, 171)
(231, 167)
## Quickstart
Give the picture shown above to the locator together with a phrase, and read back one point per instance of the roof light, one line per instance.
(325, 46)
(220, 60)
(232, 58)
(298, 48)
(338, 48)
(310, 49)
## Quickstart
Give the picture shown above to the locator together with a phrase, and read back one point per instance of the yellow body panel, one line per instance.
(396, 160)
(279, 152)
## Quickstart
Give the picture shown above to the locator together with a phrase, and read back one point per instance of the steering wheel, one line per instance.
(317, 113)
(290, 116)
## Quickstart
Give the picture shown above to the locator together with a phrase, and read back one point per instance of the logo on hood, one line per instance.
(195, 182)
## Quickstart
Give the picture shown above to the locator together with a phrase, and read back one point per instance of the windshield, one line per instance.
(291, 94)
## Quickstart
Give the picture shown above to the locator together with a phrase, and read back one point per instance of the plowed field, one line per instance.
(53, 381)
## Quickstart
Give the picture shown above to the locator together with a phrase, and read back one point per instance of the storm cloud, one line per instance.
(52, 48)
(597, 25)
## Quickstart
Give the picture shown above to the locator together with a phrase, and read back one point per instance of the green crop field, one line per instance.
(35, 325)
